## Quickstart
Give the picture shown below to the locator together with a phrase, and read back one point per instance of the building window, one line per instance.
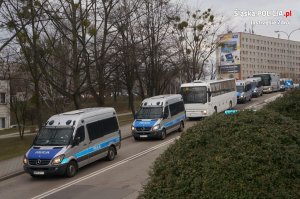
(2, 98)
(2, 123)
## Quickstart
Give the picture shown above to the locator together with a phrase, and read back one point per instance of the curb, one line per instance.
(17, 173)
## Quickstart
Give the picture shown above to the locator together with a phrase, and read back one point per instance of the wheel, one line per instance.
(111, 153)
(230, 105)
(216, 109)
(250, 99)
(163, 134)
(136, 138)
(181, 126)
(71, 169)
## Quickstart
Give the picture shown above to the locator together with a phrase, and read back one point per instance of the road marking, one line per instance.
(57, 189)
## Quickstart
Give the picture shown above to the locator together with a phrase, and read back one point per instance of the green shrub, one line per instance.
(289, 105)
(249, 155)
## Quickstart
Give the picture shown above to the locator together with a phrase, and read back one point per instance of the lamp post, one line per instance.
(287, 34)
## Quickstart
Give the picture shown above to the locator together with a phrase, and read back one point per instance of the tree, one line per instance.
(196, 41)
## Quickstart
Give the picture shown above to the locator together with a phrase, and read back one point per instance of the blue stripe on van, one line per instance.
(94, 148)
(175, 121)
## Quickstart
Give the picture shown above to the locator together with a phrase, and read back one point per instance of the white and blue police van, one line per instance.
(71, 140)
(243, 91)
(158, 116)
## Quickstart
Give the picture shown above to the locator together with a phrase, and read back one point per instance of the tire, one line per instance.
(216, 109)
(136, 138)
(111, 153)
(71, 169)
(163, 134)
(180, 129)
(230, 105)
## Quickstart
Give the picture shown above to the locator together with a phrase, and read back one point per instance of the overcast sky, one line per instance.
(230, 8)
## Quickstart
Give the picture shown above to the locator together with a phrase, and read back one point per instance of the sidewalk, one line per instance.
(13, 167)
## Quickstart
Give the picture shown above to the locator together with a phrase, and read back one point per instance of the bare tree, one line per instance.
(196, 40)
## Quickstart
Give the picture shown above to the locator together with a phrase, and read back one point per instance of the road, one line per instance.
(121, 178)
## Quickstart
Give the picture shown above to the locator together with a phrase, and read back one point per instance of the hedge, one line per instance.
(248, 155)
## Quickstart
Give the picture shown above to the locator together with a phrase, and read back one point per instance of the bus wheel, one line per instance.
(230, 105)
(163, 134)
(71, 169)
(111, 153)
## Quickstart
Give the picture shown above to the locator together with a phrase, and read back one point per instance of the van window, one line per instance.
(80, 133)
(94, 130)
(110, 125)
(102, 127)
(176, 108)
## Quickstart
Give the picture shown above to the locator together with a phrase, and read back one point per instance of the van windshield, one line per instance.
(149, 113)
(266, 79)
(240, 89)
(54, 136)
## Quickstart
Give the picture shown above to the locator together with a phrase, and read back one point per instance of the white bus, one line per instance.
(270, 81)
(203, 98)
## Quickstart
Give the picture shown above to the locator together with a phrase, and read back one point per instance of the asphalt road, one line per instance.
(121, 178)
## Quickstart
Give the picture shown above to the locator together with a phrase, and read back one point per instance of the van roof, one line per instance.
(161, 100)
(73, 117)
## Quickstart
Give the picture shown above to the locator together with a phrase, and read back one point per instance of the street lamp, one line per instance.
(287, 34)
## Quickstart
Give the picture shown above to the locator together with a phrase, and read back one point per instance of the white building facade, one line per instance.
(241, 55)
(4, 104)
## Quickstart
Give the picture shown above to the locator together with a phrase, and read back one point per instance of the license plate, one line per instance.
(38, 172)
(143, 136)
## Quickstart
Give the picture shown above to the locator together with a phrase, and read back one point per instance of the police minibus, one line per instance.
(158, 116)
(243, 91)
(71, 140)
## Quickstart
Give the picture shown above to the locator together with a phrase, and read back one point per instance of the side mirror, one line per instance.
(209, 95)
(76, 141)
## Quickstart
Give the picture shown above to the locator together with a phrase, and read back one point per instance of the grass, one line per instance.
(126, 119)
(13, 147)
(16, 130)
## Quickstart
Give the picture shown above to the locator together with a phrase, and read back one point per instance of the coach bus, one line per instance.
(203, 98)
(270, 81)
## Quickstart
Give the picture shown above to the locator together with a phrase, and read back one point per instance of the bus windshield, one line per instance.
(240, 89)
(54, 136)
(266, 79)
(149, 113)
(197, 94)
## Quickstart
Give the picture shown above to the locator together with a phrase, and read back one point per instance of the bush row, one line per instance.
(248, 155)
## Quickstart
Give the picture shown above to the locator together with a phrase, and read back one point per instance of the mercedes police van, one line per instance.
(243, 91)
(158, 116)
(72, 140)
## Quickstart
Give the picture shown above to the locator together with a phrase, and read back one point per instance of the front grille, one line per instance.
(143, 128)
(39, 162)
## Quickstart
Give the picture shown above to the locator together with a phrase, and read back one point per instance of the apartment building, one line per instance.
(241, 55)
(4, 104)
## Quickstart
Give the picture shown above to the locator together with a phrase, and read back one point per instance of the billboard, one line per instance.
(229, 49)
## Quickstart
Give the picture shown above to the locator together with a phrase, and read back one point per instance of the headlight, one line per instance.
(156, 127)
(132, 128)
(25, 160)
(58, 159)
(204, 112)
(270, 89)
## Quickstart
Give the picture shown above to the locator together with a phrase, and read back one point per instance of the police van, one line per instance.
(71, 140)
(256, 86)
(158, 116)
(243, 91)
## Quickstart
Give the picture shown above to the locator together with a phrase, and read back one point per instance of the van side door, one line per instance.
(81, 146)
